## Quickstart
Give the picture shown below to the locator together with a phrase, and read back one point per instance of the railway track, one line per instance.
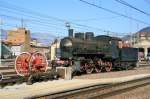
(7, 62)
(8, 73)
(8, 76)
(98, 91)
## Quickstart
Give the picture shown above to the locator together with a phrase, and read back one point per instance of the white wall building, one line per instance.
(55, 50)
(141, 40)
(16, 49)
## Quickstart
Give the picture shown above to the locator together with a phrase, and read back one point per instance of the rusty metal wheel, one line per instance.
(38, 62)
(108, 66)
(22, 64)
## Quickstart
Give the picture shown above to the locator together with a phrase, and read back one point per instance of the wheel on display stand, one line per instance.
(31, 65)
(22, 64)
(38, 63)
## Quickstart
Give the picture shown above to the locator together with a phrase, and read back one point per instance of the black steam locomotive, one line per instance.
(86, 53)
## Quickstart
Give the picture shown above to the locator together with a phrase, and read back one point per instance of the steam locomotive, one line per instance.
(86, 53)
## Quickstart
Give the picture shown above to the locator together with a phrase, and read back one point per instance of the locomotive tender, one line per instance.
(86, 53)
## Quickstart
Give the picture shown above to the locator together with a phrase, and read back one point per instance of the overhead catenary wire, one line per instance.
(47, 33)
(39, 22)
(35, 20)
(113, 12)
(94, 19)
(25, 10)
(33, 23)
(10, 25)
(22, 10)
(27, 19)
(131, 6)
(84, 26)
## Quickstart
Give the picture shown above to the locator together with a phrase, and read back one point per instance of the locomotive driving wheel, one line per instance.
(108, 66)
(22, 64)
(89, 68)
(98, 67)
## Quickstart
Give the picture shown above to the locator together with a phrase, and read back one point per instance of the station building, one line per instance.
(19, 40)
(141, 40)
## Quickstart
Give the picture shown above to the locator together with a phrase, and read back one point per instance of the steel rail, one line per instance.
(97, 91)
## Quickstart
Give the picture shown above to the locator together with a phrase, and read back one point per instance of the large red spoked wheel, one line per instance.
(38, 63)
(22, 64)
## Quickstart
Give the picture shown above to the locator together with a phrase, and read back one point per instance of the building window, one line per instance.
(25, 32)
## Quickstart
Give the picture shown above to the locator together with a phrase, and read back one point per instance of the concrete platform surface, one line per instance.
(23, 91)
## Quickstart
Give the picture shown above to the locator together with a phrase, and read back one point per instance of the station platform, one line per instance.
(50, 87)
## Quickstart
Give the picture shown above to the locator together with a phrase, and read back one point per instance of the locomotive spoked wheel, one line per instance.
(22, 64)
(108, 66)
(89, 68)
(98, 67)
(38, 63)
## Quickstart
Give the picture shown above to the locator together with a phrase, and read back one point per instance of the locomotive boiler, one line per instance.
(86, 53)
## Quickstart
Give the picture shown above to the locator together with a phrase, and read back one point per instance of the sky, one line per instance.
(46, 19)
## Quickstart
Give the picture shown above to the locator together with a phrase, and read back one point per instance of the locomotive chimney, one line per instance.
(70, 33)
